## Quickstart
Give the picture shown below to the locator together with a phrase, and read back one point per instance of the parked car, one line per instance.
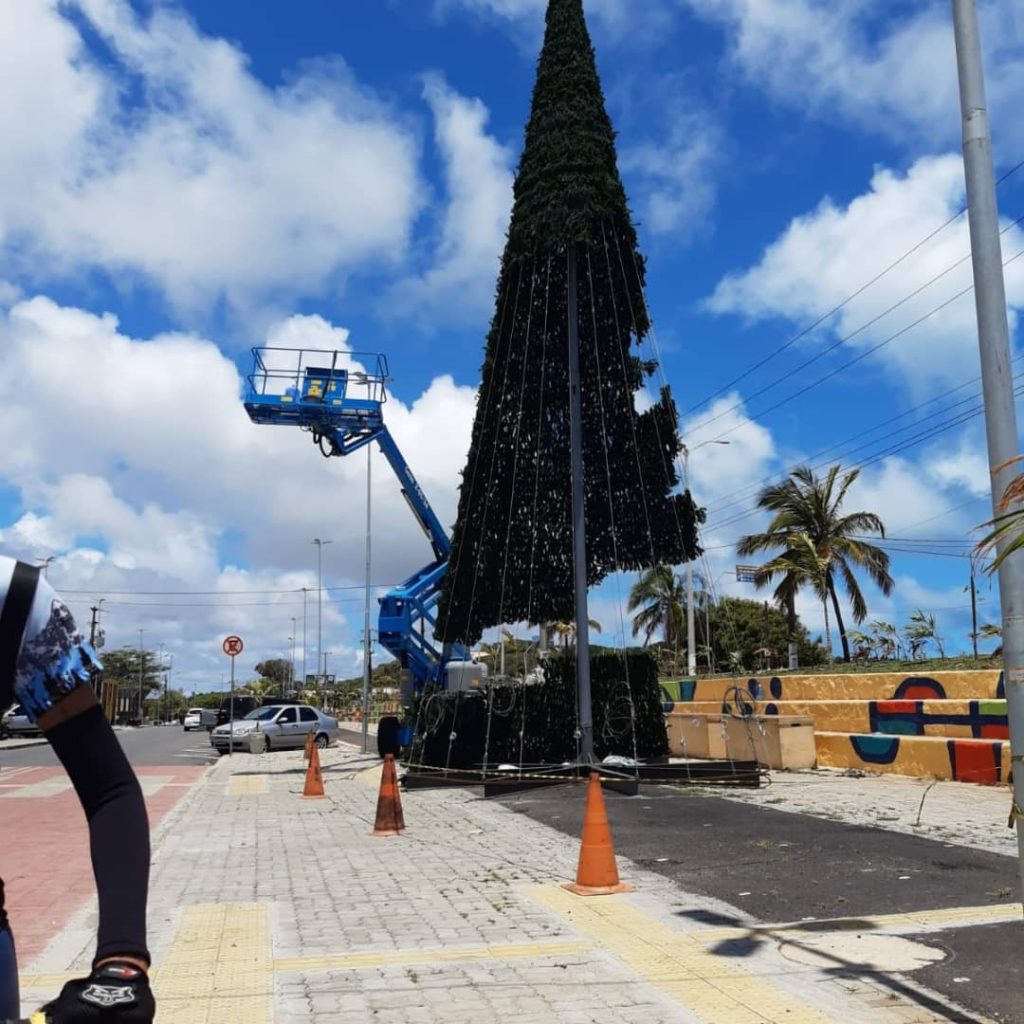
(243, 703)
(200, 718)
(17, 722)
(283, 726)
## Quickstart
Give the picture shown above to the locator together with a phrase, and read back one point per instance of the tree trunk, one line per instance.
(791, 616)
(828, 634)
(839, 620)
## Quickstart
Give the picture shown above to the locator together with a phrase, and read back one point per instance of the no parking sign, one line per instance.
(233, 646)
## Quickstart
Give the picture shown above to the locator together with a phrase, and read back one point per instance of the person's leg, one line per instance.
(118, 825)
(10, 1002)
(52, 682)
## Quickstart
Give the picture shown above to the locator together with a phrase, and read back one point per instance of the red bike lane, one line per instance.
(45, 861)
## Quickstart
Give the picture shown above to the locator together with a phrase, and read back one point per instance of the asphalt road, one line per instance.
(784, 867)
(151, 745)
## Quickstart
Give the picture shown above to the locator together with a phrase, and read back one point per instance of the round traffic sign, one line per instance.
(233, 645)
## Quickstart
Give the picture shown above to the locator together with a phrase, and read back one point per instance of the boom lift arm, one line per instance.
(342, 407)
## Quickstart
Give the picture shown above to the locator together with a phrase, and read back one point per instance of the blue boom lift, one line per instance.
(339, 398)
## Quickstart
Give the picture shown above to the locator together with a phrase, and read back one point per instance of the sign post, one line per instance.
(232, 647)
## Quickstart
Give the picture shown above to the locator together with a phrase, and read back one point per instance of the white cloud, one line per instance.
(857, 61)
(823, 257)
(673, 176)
(478, 180)
(173, 163)
(137, 465)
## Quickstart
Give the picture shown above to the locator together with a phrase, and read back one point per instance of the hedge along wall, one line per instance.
(537, 724)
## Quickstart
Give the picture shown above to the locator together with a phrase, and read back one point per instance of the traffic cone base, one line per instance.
(389, 821)
(314, 777)
(597, 873)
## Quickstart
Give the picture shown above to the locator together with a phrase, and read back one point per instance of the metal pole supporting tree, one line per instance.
(367, 655)
(691, 633)
(996, 371)
(579, 529)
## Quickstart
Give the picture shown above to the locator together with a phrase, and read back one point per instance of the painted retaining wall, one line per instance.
(944, 725)
(966, 685)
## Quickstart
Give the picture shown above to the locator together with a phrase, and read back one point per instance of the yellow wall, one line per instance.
(963, 685)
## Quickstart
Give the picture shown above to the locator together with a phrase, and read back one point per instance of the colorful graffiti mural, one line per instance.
(948, 725)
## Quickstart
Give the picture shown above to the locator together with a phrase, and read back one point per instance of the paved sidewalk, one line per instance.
(271, 909)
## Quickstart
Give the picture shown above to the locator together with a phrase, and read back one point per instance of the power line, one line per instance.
(217, 593)
(856, 359)
(860, 291)
(876, 457)
(745, 493)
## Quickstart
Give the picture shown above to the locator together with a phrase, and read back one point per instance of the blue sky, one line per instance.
(181, 181)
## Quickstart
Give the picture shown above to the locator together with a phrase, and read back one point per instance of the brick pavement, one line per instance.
(271, 909)
(47, 872)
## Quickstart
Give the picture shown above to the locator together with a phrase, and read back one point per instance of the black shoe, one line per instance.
(116, 993)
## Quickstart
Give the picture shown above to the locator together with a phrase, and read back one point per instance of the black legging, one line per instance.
(118, 829)
(118, 839)
(9, 997)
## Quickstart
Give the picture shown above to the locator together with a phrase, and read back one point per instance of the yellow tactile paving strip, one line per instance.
(405, 957)
(220, 967)
(908, 923)
(678, 965)
(247, 785)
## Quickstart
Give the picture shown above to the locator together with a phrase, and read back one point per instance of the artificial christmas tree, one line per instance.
(512, 554)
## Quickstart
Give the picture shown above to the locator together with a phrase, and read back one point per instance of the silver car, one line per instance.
(281, 726)
(17, 723)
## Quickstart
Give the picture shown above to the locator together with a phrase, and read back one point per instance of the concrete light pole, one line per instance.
(996, 371)
(691, 633)
(319, 600)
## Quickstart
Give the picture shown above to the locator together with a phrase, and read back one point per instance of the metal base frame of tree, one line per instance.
(565, 482)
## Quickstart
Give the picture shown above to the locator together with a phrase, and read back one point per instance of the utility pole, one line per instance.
(579, 528)
(96, 609)
(368, 650)
(996, 372)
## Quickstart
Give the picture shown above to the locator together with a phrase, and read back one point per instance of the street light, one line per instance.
(305, 591)
(291, 669)
(691, 635)
(44, 563)
(319, 600)
(142, 659)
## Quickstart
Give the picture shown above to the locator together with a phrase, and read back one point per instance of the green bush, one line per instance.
(538, 724)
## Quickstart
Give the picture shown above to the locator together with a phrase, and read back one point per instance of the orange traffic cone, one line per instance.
(309, 745)
(314, 777)
(390, 821)
(597, 873)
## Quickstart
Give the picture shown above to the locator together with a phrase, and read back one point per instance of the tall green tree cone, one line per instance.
(512, 554)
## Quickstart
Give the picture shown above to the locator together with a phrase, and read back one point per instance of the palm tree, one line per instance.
(808, 506)
(567, 631)
(802, 564)
(1007, 526)
(660, 595)
(919, 631)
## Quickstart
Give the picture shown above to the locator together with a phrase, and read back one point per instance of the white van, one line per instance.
(200, 718)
